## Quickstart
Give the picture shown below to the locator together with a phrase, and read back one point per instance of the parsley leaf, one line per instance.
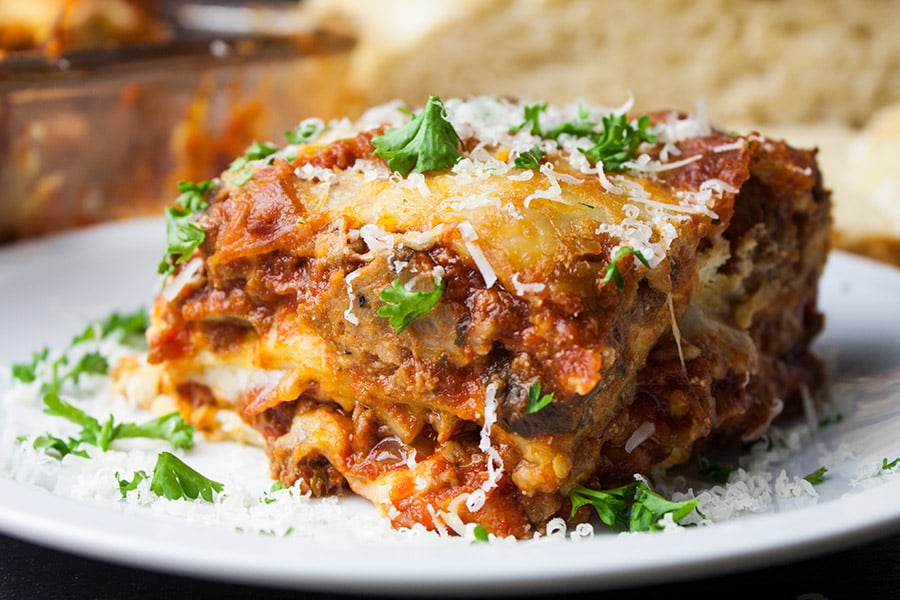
(27, 372)
(480, 533)
(613, 146)
(266, 498)
(255, 151)
(126, 486)
(580, 127)
(92, 363)
(131, 327)
(635, 506)
(182, 234)
(532, 118)
(50, 443)
(402, 306)
(537, 402)
(611, 505)
(305, 132)
(619, 141)
(427, 142)
(89, 333)
(193, 195)
(173, 479)
(649, 507)
(530, 159)
(89, 363)
(612, 270)
(169, 428)
(182, 237)
(887, 466)
(92, 431)
(817, 476)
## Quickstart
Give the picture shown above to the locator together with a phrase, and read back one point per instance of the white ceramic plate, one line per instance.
(51, 287)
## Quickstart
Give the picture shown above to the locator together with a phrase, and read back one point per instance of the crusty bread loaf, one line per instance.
(814, 71)
(760, 60)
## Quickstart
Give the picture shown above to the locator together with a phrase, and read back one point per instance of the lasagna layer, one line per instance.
(652, 307)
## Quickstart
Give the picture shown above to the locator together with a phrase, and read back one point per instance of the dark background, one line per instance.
(868, 571)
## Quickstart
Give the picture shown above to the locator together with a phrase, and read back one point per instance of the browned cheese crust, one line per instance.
(711, 343)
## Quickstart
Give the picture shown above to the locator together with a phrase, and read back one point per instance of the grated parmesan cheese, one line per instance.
(640, 435)
(484, 267)
(182, 279)
(494, 461)
(554, 192)
(348, 314)
(526, 288)
(376, 239)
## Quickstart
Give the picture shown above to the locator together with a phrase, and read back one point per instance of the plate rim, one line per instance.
(17, 517)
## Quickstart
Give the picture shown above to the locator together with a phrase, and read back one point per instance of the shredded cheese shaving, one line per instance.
(525, 288)
(676, 331)
(184, 277)
(348, 314)
(494, 461)
(640, 435)
(484, 267)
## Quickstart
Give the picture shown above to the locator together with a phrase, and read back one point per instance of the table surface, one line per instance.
(867, 571)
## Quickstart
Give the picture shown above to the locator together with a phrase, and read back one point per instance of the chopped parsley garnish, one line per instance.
(530, 159)
(305, 132)
(92, 363)
(610, 505)
(169, 428)
(89, 363)
(634, 507)
(126, 486)
(887, 466)
(817, 476)
(173, 479)
(480, 533)
(182, 234)
(403, 307)
(93, 432)
(53, 375)
(127, 325)
(619, 141)
(532, 119)
(193, 195)
(612, 270)
(649, 507)
(716, 472)
(255, 151)
(427, 142)
(579, 127)
(26, 372)
(52, 444)
(614, 145)
(266, 498)
(536, 401)
(131, 327)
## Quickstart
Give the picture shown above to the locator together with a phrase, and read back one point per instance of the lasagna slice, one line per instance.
(464, 312)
